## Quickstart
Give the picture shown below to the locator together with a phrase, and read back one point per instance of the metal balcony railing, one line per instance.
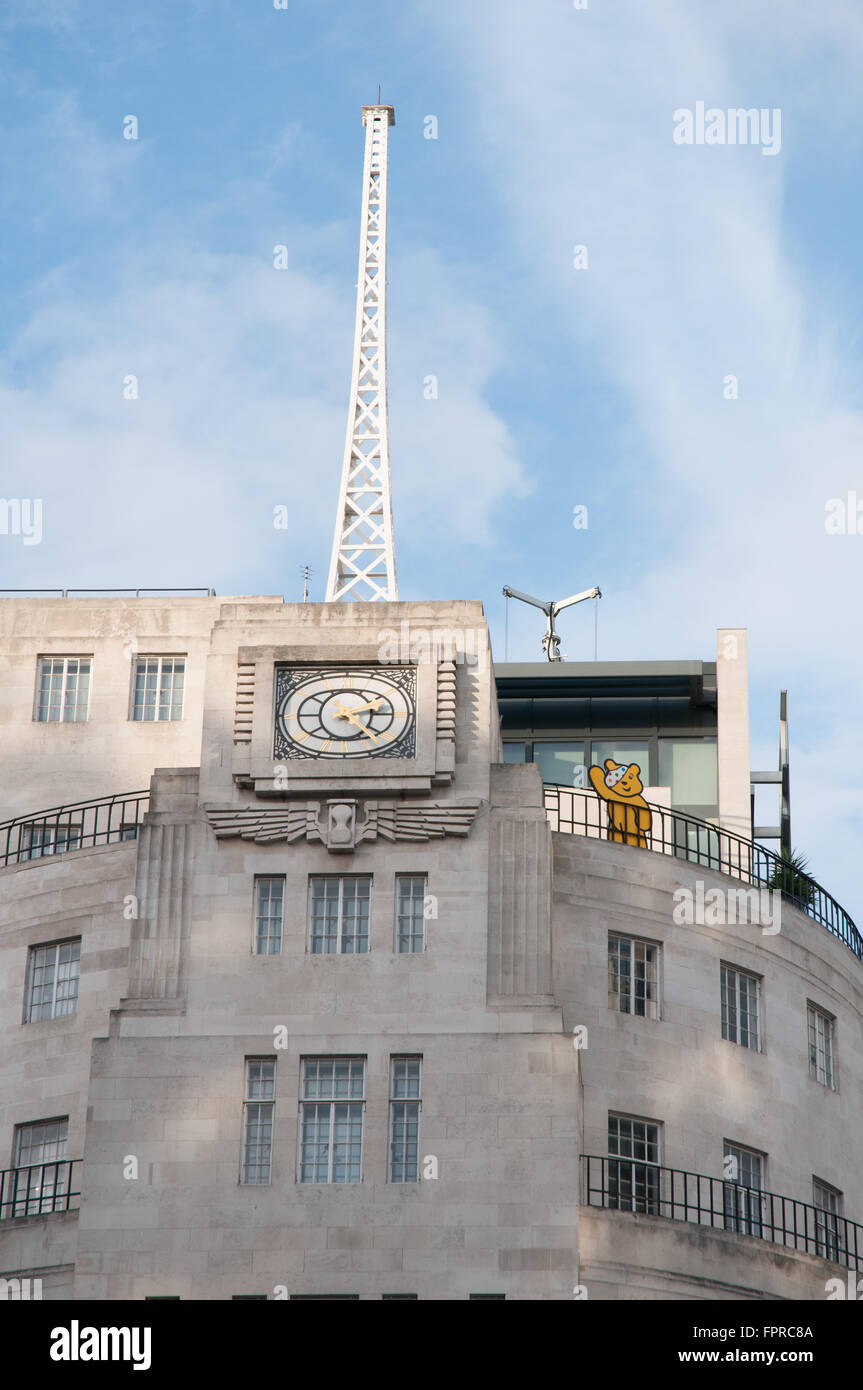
(577, 812)
(78, 825)
(623, 1184)
(40, 1188)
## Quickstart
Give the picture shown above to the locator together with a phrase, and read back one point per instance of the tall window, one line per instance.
(269, 913)
(157, 687)
(633, 976)
(410, 912)
(62, 689)
(258, 1119)
(339, 913)
(405, 1076)
(332, 1096)
(52, 980)
(744, 1171)
(828, 1211)
(39, 1154)
(633, 1174)
(43, 838)
(740, 1007)
(821, 1047)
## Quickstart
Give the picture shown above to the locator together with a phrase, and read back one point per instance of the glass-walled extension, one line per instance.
(567, 717)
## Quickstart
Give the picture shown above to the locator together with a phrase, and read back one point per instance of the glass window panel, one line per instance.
(688, 767)
(557, 761)
(622, 750)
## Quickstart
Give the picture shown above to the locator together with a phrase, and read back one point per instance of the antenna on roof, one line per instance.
(551, 608)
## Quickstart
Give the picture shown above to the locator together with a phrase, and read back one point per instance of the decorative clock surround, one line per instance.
(350, 713)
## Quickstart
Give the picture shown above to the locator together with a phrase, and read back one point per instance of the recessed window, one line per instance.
(258, 1108)
(269, 914)
(557, 761)
(741, 1003)
(821, 1028)
(39, 1183)
(52, 980)
(339, 914)
(62, 689)
(827, 1201)
(410, 913)
(633, 1172)
(55, 837)
(331, 1119)
(744, 1171)
(405, 1079)
(157, 688)
(633, 976)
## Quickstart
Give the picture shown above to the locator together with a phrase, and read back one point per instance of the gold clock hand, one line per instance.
(352, 718)
(357, 709)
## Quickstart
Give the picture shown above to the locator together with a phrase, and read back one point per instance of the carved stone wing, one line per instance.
(404, 820)
(266, 824)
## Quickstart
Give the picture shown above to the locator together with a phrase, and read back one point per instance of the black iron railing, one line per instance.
(78, 825)
(623, 1184)
(40, 1188)
(664, 831)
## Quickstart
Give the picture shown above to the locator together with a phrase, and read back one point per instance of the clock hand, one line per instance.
(357, 709)
(352, 718)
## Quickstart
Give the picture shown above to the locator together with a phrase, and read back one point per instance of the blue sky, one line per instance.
(557, 386)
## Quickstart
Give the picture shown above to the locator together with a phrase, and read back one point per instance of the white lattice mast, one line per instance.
(363, 564)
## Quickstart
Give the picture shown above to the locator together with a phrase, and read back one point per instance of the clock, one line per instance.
(345, 713)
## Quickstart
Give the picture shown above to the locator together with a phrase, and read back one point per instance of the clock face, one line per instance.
(345, 714)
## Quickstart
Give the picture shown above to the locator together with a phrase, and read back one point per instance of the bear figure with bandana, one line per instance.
(620, 787)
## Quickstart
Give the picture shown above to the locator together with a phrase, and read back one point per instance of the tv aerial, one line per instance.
(551, 608)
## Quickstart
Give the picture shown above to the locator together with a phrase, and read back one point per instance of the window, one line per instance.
(331, 1119)
(39, 1154)
(688, 766)
(557, 761)
(43, 838)
(633, 1172)
(269, 912)
(633, 976)
(339, 911)
(62, 689)
(258, 1119)
(405, 1073)
(821, 1047)
(157, 687)
(515, 753)
(52, 980)
(742, 1193)
(828, 1212)
(740, 1007)
(410, 913)
(622, 750)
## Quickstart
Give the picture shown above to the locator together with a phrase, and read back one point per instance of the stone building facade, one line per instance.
(306, 992)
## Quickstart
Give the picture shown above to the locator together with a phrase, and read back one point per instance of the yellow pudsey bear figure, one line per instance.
(620, 787)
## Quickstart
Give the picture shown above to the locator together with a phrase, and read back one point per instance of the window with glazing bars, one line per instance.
(62, 689)
(339, 914)
(633, 1172)
(410, 912)
(742, 1193)
(828, 1210)
(332, 1095)
(405, 1080)
(740, 1007)
(53, 838)
(52, 980)
(633, 976)
(157, 687)
(269, 914)
(39, 1157)
(258, 1108)
(821, 1046)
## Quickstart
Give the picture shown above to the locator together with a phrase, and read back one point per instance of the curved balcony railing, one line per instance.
(40, 1188)
(78, 825)
(622, 1184)
(657, 828)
